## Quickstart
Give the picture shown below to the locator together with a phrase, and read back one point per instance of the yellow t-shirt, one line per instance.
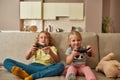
(43, 58)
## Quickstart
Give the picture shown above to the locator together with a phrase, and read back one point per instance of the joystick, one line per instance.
(38, 45)
(84, 50)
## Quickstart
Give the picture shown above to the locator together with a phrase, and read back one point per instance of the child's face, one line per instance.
(75, 41)
(43, 39)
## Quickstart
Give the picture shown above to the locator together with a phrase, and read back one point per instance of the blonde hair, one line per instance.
(49, 36)
(74, 33)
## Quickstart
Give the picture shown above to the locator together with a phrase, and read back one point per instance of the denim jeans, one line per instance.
(37, 70)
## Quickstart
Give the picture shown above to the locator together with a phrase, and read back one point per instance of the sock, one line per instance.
(29, 78)
(19, 72)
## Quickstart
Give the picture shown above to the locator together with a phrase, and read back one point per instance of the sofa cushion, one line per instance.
(14, 45)
(109, 42)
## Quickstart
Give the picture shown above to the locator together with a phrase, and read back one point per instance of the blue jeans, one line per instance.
(37, 70)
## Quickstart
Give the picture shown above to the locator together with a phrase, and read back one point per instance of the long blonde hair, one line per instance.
(73, 33)
(49, 36)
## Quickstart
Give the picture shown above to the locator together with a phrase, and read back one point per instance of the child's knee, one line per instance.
(86, 69)
(71, 67)
(60, 65)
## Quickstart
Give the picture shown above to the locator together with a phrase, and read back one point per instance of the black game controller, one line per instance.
(38, 45)
(84, 50)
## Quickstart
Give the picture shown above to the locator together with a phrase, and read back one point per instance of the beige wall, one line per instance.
(9, 14)
(93, 13)
(106, 8)
(115, 15)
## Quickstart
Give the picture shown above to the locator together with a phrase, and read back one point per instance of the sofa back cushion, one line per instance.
(14, 45)
(109, 42)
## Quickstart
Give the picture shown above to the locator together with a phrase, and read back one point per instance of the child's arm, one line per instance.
(91, 50)
(31, 52)
(70, 58)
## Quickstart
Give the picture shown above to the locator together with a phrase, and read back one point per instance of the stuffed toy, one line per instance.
(109, 66)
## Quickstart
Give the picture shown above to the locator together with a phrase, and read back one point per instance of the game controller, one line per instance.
(38, 45)
(84, 50)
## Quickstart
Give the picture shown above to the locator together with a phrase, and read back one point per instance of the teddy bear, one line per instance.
(109, 66)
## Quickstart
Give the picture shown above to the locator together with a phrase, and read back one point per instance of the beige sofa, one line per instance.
(15, 44)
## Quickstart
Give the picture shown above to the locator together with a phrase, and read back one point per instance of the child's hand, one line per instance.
(31, 52)
(33, 48)
(90, 49)
(75, 53)
(47, 50)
